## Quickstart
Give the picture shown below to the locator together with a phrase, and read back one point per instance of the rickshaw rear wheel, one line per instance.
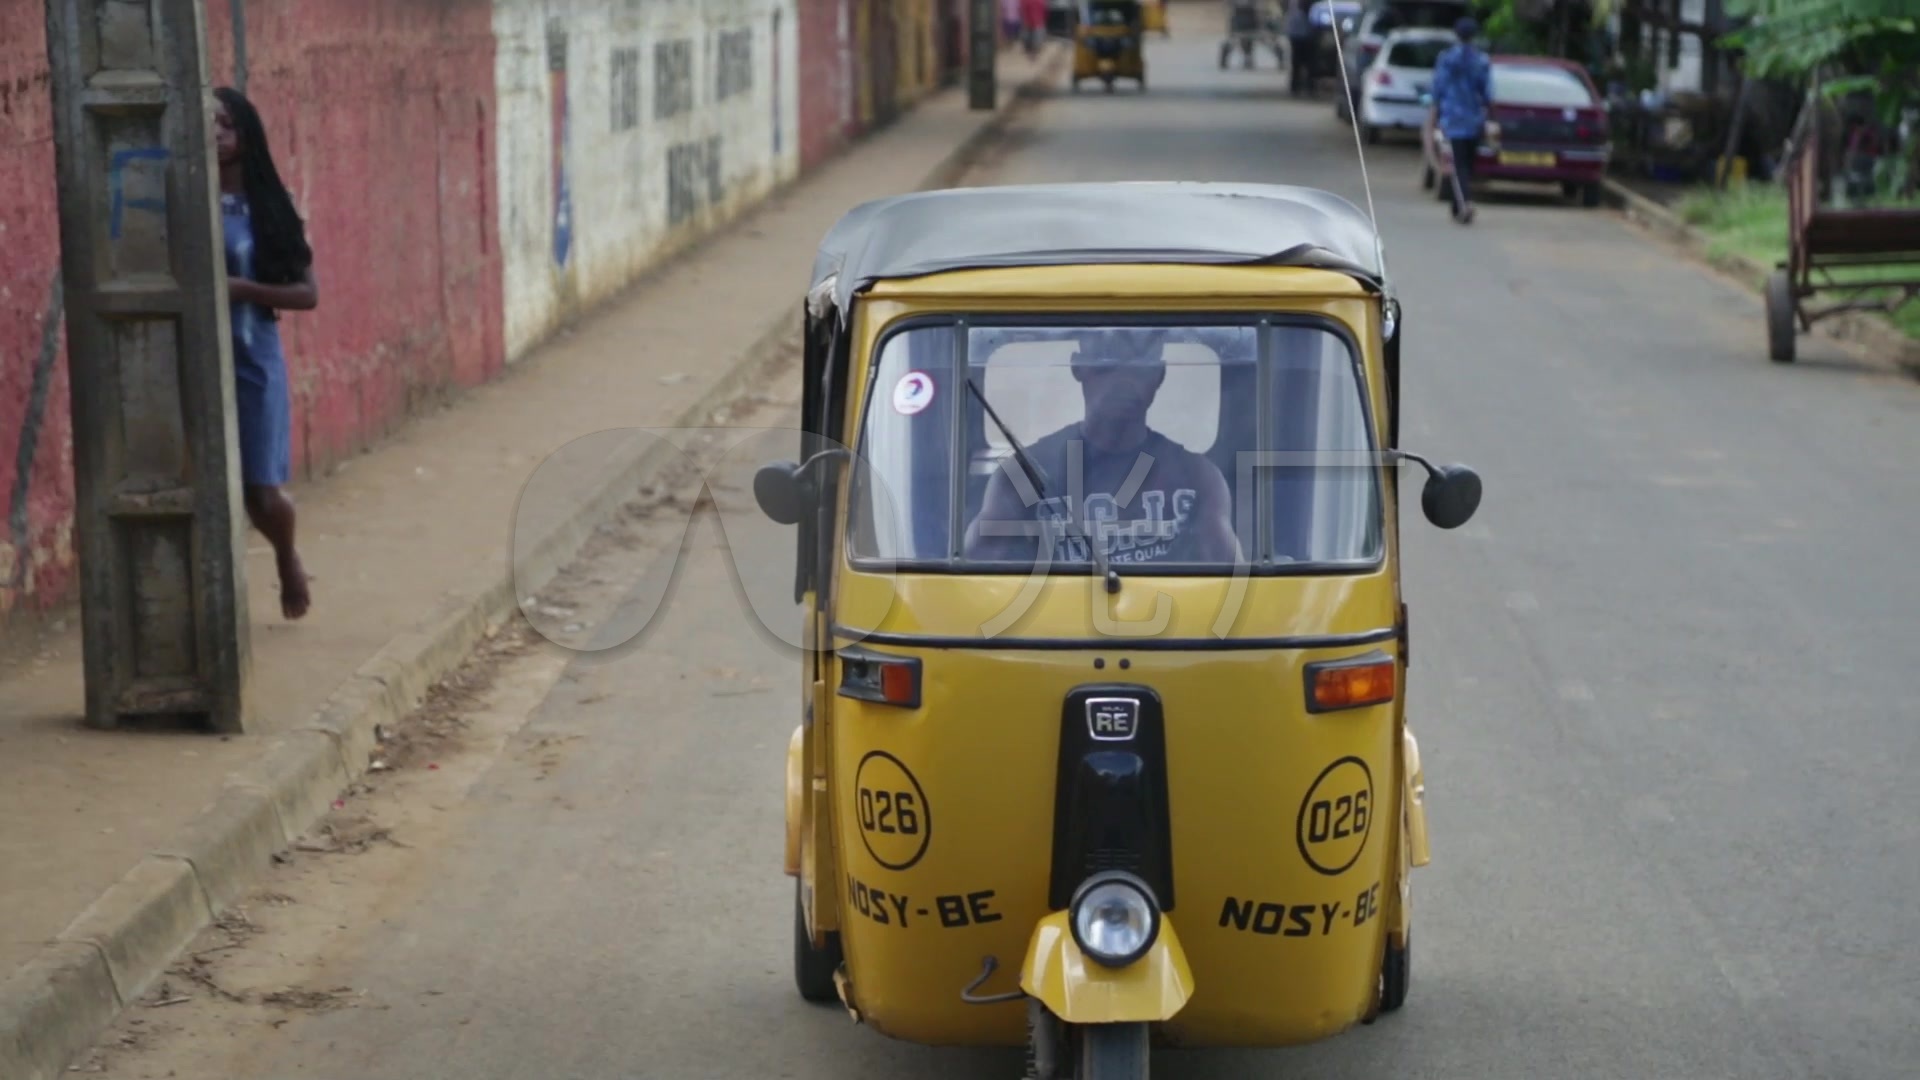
(813, 968)
(1396, 975)
(1112, 1052)
(1780, 317)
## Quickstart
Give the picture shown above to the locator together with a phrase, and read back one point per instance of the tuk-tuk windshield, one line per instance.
(1186, 447)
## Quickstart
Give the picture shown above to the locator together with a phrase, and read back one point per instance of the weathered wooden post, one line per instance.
(157, 515)
(983, 53)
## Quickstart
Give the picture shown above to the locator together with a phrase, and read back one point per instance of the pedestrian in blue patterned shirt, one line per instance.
(1462, 90)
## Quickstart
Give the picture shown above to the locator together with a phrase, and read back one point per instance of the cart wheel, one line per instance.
(813, 968)
(1112, 1052)
(1427, 179)
(1780, 317)
(1396, 975)
(1590, 196)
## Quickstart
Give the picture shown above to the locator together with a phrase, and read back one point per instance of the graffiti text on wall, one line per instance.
(672, 78)
(693, 177)
(625, 92)
(734, 66)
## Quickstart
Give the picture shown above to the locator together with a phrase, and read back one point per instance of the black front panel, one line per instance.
(1110, 797)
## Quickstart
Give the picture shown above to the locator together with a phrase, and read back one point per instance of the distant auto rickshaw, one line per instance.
(1153, 16)
(1107, 44)
(1102, 727)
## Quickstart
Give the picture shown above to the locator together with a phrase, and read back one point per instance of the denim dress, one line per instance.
(261, 402)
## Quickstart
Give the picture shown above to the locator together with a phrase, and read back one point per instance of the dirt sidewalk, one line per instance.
(409, 548)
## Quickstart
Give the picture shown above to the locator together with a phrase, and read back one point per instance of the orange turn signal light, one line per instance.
(897, 684)
(880, 677)
(1352, 683)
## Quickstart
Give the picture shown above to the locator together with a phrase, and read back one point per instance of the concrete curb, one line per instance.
(1887, 342)
(56, 1005)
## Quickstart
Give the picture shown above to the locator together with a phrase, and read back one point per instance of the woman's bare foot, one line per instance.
(295, 595)
(272, 513)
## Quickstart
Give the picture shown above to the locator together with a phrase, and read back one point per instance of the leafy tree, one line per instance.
(1854, 46)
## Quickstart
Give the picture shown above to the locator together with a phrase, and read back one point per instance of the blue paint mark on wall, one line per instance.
(19, 526)
(116, 181)
(562, 191)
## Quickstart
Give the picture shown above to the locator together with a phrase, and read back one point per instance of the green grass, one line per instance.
(1752, 221)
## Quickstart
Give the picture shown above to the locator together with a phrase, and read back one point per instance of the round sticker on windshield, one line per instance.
(912, 393)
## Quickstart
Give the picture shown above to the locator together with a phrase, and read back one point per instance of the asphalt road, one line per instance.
(1663, 683)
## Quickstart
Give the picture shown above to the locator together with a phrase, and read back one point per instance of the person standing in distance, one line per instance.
(1462, 90)
(269, 270)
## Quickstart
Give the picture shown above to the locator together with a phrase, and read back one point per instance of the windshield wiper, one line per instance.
(1039, 480)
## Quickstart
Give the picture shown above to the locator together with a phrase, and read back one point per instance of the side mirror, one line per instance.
(781, 492)
(1451, 495)
(786, 492)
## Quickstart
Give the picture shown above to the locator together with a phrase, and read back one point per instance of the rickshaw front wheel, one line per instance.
(1396, 975)
(813, 968)
(1112, 1052)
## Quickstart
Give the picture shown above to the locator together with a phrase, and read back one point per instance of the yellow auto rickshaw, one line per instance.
(1102, 735)
(1107, 43)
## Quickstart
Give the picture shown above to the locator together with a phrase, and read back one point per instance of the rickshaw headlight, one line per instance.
(1114, 919)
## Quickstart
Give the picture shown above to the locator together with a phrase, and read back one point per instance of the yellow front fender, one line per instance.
(796, 797)
(1081, 991)
(1416, 796)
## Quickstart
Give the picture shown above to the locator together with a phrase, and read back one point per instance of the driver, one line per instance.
(1147, 498)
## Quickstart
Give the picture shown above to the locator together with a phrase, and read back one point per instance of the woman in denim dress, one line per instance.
(269, 270)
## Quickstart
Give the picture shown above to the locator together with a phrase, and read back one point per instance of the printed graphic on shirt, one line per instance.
(1145, 531)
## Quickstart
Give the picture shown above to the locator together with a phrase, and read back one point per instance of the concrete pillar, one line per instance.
(157, 516)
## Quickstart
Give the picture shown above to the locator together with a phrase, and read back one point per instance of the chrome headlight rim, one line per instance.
(1130, 881)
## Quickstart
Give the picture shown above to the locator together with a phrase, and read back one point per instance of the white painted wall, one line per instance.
(618, 176)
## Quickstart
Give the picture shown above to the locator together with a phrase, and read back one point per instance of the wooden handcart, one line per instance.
(1822, 239)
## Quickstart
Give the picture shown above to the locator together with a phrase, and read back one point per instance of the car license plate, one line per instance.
(1533, 160)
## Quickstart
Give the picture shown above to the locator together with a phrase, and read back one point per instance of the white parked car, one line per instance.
(1401, 73)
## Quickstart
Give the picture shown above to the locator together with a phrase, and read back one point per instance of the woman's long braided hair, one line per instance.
(279, 236)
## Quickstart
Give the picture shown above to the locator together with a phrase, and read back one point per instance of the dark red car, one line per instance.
(1547, 125)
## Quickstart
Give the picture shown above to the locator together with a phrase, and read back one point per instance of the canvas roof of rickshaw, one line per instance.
(1164, 222)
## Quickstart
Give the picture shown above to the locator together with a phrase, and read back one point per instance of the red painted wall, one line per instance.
(851, 85)
(380, 117)
(36, 501)
(825, 82)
